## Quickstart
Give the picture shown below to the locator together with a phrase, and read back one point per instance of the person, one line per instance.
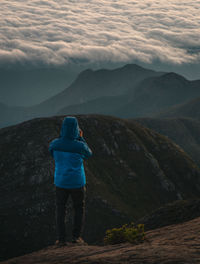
(69, 152)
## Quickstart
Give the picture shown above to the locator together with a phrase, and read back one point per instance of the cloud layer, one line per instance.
(64, 31)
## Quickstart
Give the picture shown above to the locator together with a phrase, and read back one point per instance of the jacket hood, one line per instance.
(70, 128)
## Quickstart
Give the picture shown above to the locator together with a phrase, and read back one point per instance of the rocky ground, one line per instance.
(178, 243)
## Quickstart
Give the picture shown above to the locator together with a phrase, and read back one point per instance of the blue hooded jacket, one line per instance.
(69, 151)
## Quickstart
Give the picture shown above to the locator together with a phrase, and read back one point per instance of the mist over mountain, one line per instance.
(129, 91)
(148, 98)
(133, 171)
(88, 85)
(25, 86)
(106, 105)
(94, 84)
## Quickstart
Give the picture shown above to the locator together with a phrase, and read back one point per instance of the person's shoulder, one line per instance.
(53, 143)
(54, 140)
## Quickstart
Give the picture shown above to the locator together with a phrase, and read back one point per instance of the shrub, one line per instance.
(126, 233)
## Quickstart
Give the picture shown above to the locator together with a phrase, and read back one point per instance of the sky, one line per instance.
(161, 34)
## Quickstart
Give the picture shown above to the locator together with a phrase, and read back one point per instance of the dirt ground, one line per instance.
(167, 245)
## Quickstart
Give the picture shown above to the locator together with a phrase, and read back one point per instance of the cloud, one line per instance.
(61, 31)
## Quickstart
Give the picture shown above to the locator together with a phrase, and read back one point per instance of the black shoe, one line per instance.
(60, 243)
(78, 240)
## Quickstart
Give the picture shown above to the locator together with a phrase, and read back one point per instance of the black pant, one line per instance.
(78, 199)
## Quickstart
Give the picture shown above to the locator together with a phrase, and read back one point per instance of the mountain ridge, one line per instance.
(155, 94)
(150, 96)
(102, 81)
(129, 91)
(95, 83)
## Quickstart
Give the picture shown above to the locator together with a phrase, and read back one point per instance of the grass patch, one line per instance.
(127, 233)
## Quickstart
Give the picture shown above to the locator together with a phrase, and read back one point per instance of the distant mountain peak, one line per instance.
(127, 67)
(133, 66)
(173, 75)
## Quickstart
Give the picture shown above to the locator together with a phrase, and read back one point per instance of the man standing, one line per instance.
(69, 152)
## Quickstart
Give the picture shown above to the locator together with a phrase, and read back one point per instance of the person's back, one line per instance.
(69, 170)
(69, 152)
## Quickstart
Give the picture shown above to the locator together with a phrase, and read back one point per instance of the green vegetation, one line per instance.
(132, 233)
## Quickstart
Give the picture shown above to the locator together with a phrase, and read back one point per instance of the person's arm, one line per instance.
(86, 151)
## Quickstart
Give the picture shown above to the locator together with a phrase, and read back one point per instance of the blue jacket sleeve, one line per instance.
(85, 151)
(77, 146)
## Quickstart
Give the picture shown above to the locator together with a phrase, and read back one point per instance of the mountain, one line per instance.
(148, 98)
(184, 131)
(156, 94)
(133, 171)
(190, 109)
(129, 91)
(177, 243)
(95, 84)
(87, 86)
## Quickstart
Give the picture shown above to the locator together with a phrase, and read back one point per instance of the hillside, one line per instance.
(175, 212)
(178, 244)
(184, 131)
(190, 109)
(133, 171)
